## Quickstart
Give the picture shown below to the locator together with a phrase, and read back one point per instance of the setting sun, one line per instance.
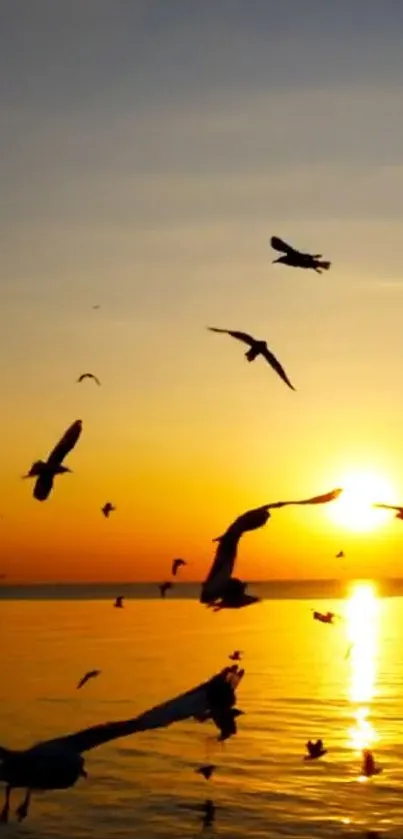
(354, 509)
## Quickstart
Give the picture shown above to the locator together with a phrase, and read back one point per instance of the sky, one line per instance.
(150, 148)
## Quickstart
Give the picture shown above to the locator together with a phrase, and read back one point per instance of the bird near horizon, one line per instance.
(45, 471)
(107, 509)
(58, 763)
(324, 617)
(164, 587)
(90, 675)
(257, 348)
(397, 510)
(297, 259)
(118, 604)
(88, 376)
(176, 564)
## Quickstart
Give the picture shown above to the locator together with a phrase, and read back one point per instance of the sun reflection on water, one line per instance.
(362, 629)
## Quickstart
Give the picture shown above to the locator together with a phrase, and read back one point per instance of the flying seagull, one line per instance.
(206, 770)
(398, 510)
(340, 555)
(46, 471)
(118, 604)
(90, 675)
(88, 376)
(164, 587)
(324, 617)
(221, 590)
(236, 655)
(176, 564)
(58, 763)
(369, 766)
(297, 259)
(257, 348)
(315, 750)
(107, 509)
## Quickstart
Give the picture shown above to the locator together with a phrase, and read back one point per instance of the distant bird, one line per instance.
(315, 750)
(236, 655)
(206, 770)
(297, 259)
(340, 555)
(88, 376)
(90, 675)
(327, 617)
(209, 812)
(369, 766)
(58, 763)
(399, 510)
(107, 509)
(176, 564)
(97, 306)
(257, 348)
(164, 587)
(46, 471)
(118, 604)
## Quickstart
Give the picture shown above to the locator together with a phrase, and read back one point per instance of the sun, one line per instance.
(354, 509)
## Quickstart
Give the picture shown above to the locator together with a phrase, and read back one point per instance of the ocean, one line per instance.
(304, 680)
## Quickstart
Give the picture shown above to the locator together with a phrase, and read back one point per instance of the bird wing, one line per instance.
(275, 364)
(84, 680)
(66, 443)
(193, 703)
(280, 245)
(43, 486)
(241, 336)
(317, 499)
(96, 380)
(388, 507)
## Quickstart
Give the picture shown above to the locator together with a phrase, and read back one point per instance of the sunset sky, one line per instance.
(150, 148)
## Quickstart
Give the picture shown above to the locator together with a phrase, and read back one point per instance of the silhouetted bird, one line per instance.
(369, 766)
(164, 587)
(315, 750)
(176, 564)
(118, 604)
(206, 770)
(107, 509)
(46, 471)
(340, 555)
(322, 617)
(236, 655)
(257, 348)
(97, 306)
(90, 675)
(209, 811)
(297, 259)
(58, 763)
(88, 376)
(398, 510)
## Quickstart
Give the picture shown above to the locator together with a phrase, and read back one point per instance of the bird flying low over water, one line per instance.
(206, 770)
(236, 655)
(208, 810)
(369, 766)
(257, 348)
(176, 564)
(58, 763)
(90, 675)
(324, 617)
(118, 604)
(297, 259)
(398, 510)
(107, 509)
(46, 471)
(88, 376)
(221, 590)
(340, 555)
(315, 750)
(164, 587)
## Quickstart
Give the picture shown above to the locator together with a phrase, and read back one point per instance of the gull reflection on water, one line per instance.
(362, 613)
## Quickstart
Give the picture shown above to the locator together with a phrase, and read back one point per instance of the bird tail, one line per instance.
(322, 263)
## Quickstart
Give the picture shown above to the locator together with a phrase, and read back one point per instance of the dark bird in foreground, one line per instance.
(324, 617)
(257, 348)
(369, 766)
(176, 564)
(118, 604)
(46, 471)
(107, 509)
(315, 750)
(58, 763)
(340, 555)
(220, 589)
(88, 376)
(297, 259)
(206, 770)
(208, 810)
(164, 587)
(398, 510)
(90, 675)
(236, 655)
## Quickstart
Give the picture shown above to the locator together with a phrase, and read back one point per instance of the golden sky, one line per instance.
(151, 150)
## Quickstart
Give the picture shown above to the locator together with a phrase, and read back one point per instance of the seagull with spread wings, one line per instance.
(297, 259)
(257, 348)
(176, 564)
(88, 376)
(45, 471)
(397, 510)
(58, 763)
(90, 675)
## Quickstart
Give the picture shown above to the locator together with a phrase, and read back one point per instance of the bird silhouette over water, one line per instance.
(45, 471)
(58, 763)
(90, 675)
(209, 812)
(297, 259)
(206, 770)
(340, 555)
(118, 604)
(257, 348)
(369, 766)
(398, 510)
(236, 655)
(107, 509)
(88, 376)
(176, 564)
(315, 750)
(324, 617)
(164, 587)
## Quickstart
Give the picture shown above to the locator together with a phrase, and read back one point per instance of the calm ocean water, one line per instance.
(299, 684)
